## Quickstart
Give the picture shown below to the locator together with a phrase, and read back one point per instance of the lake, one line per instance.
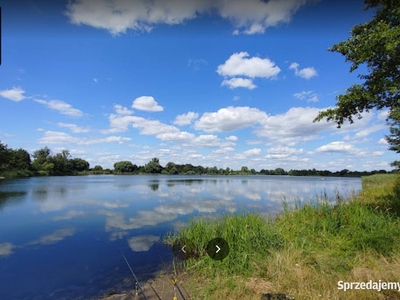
(60, 236)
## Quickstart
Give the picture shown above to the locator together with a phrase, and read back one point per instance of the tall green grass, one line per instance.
(303, 251)
(250, 238)
(381, 192)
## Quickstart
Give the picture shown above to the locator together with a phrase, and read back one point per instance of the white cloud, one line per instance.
(197, 63)
(230, 118)
(310, 96)
(305, 73)
(236, 82)
(383, 141)
(239, 65)
(338, 147)
(179, 136)
(232, 138)
(383, 115)
(146, 103)
(152, 127)
(62, 107)
(236, 98)
(122, 110)
(224, 150)
(171, 133)
(186, 119)
(6, 134)
(254, 151)
(95, 80)
(369, 130)
(206, 140)
(283, 153)
(6, 249)
(15, 94)
(248, 17)
(142, 243)
(118, 123)
(161, 131)
(293, 126)
(378, 153)
(109, 139)
(56, 137)
(73, 127)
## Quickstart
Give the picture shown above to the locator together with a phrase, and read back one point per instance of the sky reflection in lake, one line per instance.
(59, 236)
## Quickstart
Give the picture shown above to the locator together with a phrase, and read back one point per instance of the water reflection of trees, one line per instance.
(11, 198)
(154, 186)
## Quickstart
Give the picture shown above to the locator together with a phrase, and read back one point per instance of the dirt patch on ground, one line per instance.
(259, 285)
(160, 288)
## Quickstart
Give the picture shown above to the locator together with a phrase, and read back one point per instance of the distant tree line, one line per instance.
(19, 163)
(171, 168)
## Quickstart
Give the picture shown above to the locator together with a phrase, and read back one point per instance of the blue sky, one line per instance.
(212, 83)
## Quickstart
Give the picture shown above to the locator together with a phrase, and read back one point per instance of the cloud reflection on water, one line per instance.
(142, 243)
(132, 202)
(56, 236)
(70, 215)
(6, 249)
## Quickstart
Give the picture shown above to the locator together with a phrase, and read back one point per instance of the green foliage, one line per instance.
(375, 44)
(153, 166)
(14, 163)
(45, 163)
(4, 156)
(97, 168)
(394, 138)
(80, 164)
(280, 171)
(41, 156)
(125, 166)
(19, 159)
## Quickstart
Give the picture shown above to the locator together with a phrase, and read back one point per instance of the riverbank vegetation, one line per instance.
(304, 251)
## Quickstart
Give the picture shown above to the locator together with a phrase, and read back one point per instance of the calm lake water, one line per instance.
(59, 236)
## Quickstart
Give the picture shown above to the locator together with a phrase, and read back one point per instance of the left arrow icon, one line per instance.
(183, 249)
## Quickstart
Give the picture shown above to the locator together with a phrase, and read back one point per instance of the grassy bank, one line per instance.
(303, 252)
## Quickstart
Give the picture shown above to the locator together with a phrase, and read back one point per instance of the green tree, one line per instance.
(244, 170)
(124, 166)
(280, 171)
(19, 159)
(79, 164)
(4, 156)
(62, 163)
(153, 166)
(376, 44)
(41, 156)
(97, 168)
(394, 138)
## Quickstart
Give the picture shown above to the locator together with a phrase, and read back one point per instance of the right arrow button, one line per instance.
(217, 249)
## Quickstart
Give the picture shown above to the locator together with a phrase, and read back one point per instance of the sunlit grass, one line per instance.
(304, 251)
